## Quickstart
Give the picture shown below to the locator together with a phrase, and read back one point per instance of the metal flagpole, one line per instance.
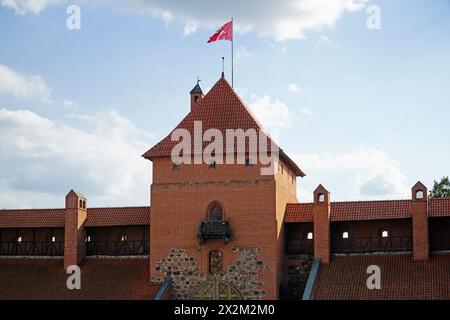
(232, 53)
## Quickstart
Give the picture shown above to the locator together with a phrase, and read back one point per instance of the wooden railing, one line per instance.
(117, 248)
(372, 244)
(31, 248)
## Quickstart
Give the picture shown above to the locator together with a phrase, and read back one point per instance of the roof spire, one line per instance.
(223, 67)
(197, 88)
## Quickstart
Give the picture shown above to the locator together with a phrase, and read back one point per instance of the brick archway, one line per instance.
(216, 290)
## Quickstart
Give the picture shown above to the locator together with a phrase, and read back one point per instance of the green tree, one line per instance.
(441, 189)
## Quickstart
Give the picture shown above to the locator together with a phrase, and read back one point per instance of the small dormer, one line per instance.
(419, 192)
(76, 200)
(196, 95)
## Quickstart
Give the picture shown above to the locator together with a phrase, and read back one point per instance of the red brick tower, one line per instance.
(216, 229)
(74, 234)
(421, 246)
(321, 213)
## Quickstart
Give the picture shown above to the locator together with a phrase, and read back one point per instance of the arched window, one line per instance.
(81, 203)
(321, 198)
(216, 213)
(309, 236)
(384, 234)
(419, 194)
(345, 235)
(215, 261)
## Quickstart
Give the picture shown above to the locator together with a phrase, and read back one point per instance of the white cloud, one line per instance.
(293, 88)
(24, 6)
(242, 52)
(305, 111)
(280, 20)
(22, 86)
(189, 28)
(271, 114)
(99, 154)
(69, 103)
(366, 173)
(324, 39)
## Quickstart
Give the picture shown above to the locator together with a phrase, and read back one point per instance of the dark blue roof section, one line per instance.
(197, 89)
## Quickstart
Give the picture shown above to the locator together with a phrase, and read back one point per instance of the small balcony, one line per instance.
(214, 230)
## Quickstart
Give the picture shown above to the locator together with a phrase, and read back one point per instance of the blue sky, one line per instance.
(364, 112)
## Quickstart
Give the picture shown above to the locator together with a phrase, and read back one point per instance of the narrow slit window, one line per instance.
(310, 236)
(385, 234)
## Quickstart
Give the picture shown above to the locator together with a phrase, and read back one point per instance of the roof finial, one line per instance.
(223, 67)
(198, 80)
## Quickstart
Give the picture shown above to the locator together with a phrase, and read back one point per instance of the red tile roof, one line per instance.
(54, 218)
(32, 218)
(221, 109)
(370, 210)
(353, 211)
(299, 212)
(366, 210)
(439, 207)
(345, 278)
(103, 217)
(101, 279)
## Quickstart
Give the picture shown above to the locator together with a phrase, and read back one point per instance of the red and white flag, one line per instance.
(224, 33)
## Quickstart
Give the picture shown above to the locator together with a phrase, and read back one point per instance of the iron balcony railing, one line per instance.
(372, 244)
(299, 246)
(214, 230)
(117, 248)
(31, 248)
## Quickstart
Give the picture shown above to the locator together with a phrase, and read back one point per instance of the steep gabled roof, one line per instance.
(220, 109)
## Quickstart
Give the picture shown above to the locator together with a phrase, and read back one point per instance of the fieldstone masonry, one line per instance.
(186, 276)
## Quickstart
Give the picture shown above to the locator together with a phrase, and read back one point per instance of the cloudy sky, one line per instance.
(363, 111)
